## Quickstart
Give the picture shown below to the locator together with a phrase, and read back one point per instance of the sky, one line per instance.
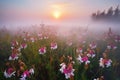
(44, 10)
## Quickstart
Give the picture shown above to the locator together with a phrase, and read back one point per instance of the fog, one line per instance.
(63, 26)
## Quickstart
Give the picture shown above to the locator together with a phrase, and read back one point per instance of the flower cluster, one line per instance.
(15, 51)
(92, 45)
(67, 70)
(27, 73)
(11, 71)
(90, 53)
(105, 62)
(111, 46)
(53, 46)
(83, 59)
(11, 68)
(87, 53)
(117, 38)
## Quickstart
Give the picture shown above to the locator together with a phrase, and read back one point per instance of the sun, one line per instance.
(56, 14)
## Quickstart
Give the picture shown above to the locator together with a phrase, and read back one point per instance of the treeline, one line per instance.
(110, 14)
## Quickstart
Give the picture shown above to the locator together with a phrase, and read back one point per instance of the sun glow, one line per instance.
(56, 14)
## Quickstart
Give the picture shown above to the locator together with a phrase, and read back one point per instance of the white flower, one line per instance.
(31, 71)
(63, 66)
(80, 59)
(9, 73)
(13, 56)
(101, 62)
(53, 45)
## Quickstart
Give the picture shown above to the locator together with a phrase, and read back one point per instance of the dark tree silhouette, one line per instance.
(110, 14)
(117, 11)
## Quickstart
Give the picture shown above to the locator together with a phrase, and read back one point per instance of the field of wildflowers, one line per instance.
(45, 54)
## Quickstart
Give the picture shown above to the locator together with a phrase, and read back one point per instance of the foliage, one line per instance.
(67, 49)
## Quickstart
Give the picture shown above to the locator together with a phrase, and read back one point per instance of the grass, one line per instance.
(47, 65)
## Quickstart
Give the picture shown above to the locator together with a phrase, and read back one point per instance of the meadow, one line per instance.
(45, 53)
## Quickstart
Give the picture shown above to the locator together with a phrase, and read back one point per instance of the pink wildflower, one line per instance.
(13, 56)
(25, 75)
(23, 45)
(117, 38)
(111, 46)
(9, 73)
(53, 45)
(42, 50)
(105, 62)
(91, 53)
(67, 70)
(93, 45)
(83, 59)
(14, 43)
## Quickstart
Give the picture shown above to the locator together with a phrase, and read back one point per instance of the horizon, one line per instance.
(35, 12)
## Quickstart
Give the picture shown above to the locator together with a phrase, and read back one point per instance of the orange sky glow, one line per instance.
(51, 10)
